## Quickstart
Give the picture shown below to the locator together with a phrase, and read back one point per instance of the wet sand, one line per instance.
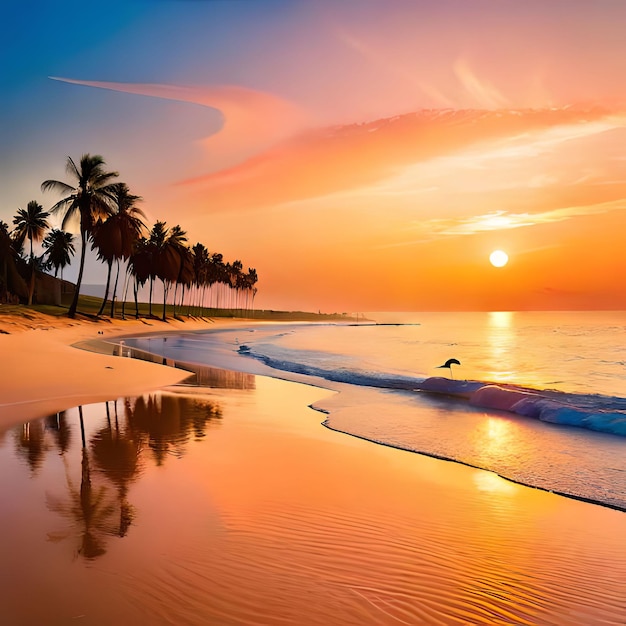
(235, 506)
(42, 373)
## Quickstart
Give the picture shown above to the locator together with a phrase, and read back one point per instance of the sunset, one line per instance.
(312, 312)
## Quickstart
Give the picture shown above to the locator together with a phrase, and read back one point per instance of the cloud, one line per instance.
(333, 160)
(482, 91)
(501, 220)
(252, 120)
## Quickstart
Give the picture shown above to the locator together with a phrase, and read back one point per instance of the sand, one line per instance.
(42, 373)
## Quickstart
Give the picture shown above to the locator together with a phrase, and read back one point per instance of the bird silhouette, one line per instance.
(448, 364)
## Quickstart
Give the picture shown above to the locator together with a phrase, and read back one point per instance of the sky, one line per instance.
(361, 155)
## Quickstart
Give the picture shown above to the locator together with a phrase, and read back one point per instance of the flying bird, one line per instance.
(448, 364)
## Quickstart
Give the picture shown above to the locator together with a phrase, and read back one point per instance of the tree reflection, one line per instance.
(30, 443)
(168, 421)
(117, 454)
(113, 456)
(89, 509)
(59, 426)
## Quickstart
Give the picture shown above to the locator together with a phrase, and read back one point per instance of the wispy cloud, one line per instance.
(501, 220)
(429, 230)
(481, 90)
(251, 118)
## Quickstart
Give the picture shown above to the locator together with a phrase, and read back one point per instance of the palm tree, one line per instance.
(172, 261)
(6, 257)
(11, 282)
(30, 223)
(185, 274)
(59, 246)
(115, 237)
(90, 197)
(140, 268)
(251, 280)
(200, 260)
(155, 248)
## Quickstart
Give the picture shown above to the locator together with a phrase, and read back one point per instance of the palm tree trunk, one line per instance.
(31, 287)
(174, 300)
(106, 289)
(117, 275)
(149, 299)
(125, 293)
(79, 280)
(135, 289)
(164, 299)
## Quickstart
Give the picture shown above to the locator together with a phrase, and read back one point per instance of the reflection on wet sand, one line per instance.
(165, 423)
(200, 375)
(206, 376)
(149, 428)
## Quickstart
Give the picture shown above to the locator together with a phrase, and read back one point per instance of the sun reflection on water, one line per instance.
(501, 345)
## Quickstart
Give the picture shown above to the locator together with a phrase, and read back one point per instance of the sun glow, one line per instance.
(498, 258)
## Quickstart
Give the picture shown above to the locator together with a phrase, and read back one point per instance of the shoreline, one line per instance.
(44, 373)
(33, 343)
(134, 376)
(328, 385)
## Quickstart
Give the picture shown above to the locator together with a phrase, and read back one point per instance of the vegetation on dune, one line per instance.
(109, 218)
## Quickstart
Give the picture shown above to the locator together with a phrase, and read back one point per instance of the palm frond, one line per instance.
(63, 204)
(58, 186)
(71, 169)
(102, 179)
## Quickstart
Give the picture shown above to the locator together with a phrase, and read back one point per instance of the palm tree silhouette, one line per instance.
(155, 248)
(114, 237)
(59, 246)
(90, 197)
(185, 274)
(140, 267)
(30, 223)
(163, 253)
(170, 260)
(200, 260)
(11, 282)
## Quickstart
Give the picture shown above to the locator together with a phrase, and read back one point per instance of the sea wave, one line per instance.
(330, 367)
(605, 414)
(595, 412)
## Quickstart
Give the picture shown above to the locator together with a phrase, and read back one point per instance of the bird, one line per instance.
(449, 363)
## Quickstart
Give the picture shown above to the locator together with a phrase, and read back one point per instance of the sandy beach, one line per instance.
(235, 506)
(42, 372)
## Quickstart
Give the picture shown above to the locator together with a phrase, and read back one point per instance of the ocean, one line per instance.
(553, 416)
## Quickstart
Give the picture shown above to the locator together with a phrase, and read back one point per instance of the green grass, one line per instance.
(90, 305)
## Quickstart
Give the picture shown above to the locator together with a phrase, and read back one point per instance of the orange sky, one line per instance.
(369, 160)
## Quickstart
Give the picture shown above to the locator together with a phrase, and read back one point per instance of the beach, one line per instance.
(43, 373)
(234, 505)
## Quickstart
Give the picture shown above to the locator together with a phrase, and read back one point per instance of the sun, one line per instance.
(499, 258)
